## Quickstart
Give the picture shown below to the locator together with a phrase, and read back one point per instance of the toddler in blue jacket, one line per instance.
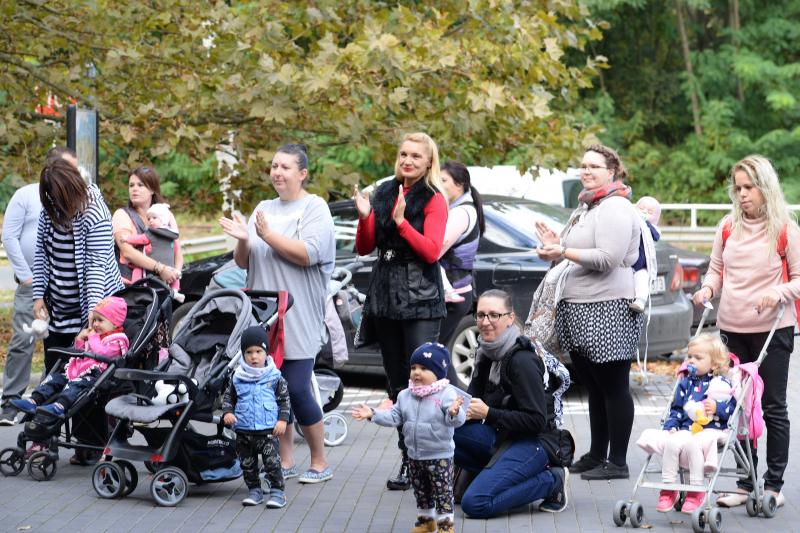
(256, 404)
(428, 411)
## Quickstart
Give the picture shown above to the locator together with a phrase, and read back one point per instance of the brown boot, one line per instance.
(446, 526)
(425, 524)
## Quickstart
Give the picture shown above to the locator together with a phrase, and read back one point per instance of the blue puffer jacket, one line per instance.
(255, 403)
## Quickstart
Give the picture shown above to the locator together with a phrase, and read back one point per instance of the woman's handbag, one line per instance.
(541, 321)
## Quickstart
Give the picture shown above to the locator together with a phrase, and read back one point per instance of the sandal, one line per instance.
(732, 499)
(315, 476)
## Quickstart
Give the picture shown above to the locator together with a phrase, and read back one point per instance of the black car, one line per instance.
(506, 259)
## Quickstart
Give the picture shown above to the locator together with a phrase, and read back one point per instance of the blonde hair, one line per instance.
(716, 349)
(432, 178)
(763, 176)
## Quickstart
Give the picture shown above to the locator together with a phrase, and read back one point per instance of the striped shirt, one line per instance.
(74, 270)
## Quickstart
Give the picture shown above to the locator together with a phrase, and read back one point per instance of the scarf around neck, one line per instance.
(426, 390)
(249, 373)
(595, 196)
(497, 350)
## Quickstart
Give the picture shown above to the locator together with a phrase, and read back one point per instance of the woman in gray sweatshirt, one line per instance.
(593, 320)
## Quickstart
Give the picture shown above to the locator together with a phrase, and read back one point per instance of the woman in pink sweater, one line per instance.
(754, 284)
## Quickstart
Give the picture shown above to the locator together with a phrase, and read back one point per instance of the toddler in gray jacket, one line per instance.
(428, 411)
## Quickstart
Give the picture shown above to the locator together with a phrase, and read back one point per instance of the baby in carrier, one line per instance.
(106, 338)
(160, 242)
(698, 415)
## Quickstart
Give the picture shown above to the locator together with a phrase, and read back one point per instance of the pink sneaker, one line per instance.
(33, 448)
(693, 501)
(666, 500)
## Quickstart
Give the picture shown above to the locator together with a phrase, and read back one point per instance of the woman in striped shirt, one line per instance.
(74, 264)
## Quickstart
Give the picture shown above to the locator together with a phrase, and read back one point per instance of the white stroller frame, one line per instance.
(325, 384)
(737, 441)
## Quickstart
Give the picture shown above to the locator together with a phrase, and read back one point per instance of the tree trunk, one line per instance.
(687, 59)
(736, 26)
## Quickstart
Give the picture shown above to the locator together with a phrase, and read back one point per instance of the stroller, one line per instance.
(85, 427)
(203, 355)
(737, 440)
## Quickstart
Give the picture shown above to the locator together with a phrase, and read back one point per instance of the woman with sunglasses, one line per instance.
(593, 319)
(500, 449)
(144, 190)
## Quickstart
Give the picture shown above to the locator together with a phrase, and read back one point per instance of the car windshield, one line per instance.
(512, 224)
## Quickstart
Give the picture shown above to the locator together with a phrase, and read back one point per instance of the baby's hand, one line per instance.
(361, 412)
(84, 334)
(456, 405)
(673, 430)
(229, 419)
(710, 405)
(280, 428)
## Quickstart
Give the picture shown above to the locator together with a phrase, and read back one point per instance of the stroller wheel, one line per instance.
(769, 504)
(42, 466)
(620, 513)
(699, 520)
(131, 477)
(636, 514)
(169, 486)
(12, 461)
(335, 426)
(108, 479)
(752, 506)
(715, 520)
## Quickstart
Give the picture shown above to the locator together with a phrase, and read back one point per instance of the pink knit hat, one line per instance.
(162, 212)
(114, 308)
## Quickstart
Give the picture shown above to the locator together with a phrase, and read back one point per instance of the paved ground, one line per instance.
(356, 500)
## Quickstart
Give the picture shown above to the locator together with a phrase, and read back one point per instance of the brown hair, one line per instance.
(63, 193)
(716, 349)
(151, 180)
(613, 161)
(58, 152)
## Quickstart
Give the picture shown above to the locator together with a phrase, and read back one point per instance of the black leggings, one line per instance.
(774, 371)
(610, 406)
(398, 339)
(455, 312)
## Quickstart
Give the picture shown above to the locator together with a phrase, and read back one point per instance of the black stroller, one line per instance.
(203, 355)
(85, 426)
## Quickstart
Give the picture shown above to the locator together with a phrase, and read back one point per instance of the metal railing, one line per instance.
(693, 232)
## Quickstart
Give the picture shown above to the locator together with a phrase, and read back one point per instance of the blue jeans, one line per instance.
(520, 476)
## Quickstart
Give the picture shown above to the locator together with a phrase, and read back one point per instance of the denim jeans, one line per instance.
(520, 476)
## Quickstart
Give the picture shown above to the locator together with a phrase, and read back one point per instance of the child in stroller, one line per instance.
(256, 404)
(106, 338)
(699, 413)
(84, 426)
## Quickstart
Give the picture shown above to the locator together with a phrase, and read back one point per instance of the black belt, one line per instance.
(391, 255)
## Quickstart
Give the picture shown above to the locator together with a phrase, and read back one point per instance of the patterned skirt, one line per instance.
(600, 331)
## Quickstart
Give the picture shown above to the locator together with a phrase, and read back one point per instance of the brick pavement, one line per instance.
(356, 499)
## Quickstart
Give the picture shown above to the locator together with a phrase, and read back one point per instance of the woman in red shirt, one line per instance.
(405, 221)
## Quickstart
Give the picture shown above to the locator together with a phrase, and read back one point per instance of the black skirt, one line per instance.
(600, 331)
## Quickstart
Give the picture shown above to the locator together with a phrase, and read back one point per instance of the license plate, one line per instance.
(658, 286)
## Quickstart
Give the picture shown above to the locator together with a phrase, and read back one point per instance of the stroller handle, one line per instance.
(253, 293)
(133, 374)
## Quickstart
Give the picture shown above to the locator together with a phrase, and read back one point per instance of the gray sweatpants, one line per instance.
(17, 372)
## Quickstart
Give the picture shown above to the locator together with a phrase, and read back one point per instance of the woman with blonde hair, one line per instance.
(405, 221)
(757, 247)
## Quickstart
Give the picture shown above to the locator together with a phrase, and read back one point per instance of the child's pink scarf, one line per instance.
(426, 390)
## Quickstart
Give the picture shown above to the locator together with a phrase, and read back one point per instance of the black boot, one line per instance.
(402, 481)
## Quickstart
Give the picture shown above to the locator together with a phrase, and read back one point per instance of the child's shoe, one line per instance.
(425, 524)
(54, 409)
(453, 297)
(666, 500)
(256, 497)
(277, 499)
(26, 406)
(693, 501)
(33, 448)
(446, 526)
(637, 306)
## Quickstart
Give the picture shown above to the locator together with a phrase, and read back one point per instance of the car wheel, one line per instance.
(177, 317)
(462, 348)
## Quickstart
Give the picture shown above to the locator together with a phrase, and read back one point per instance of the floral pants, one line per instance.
(432, 480)
(248, 447)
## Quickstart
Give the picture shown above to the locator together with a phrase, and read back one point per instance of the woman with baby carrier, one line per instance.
(755, 266)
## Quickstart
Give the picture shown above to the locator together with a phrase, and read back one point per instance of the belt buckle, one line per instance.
(388, 255)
